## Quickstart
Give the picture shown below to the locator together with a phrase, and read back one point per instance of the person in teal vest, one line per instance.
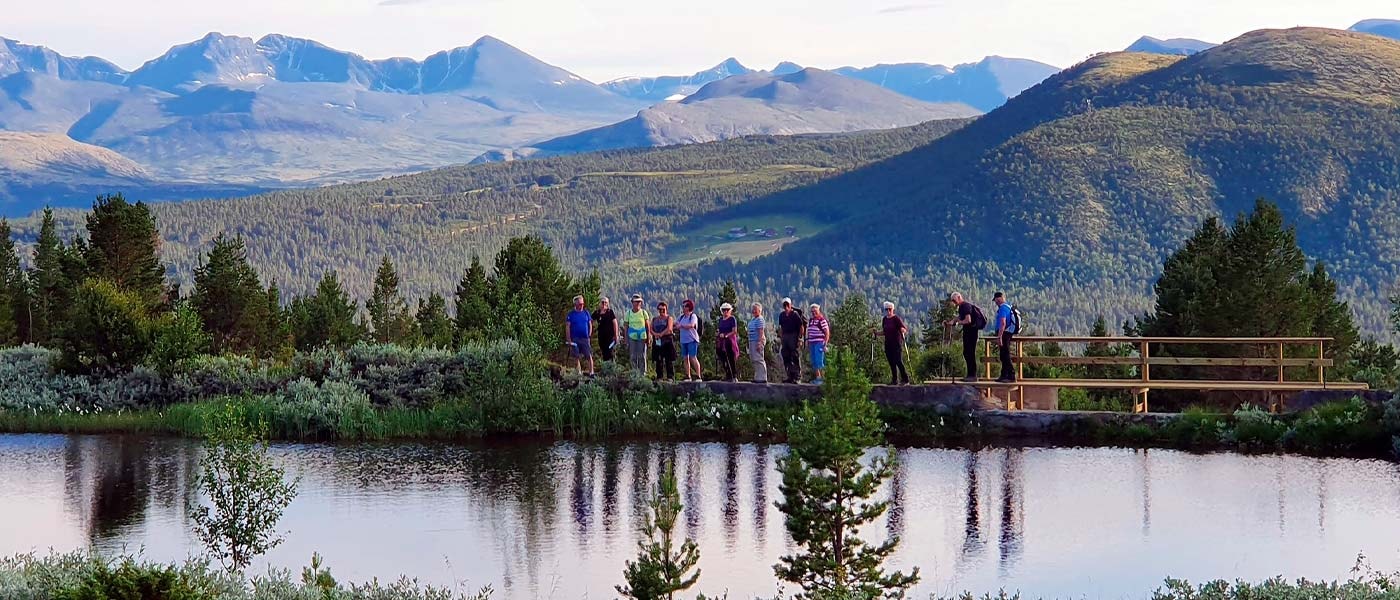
(637, 322)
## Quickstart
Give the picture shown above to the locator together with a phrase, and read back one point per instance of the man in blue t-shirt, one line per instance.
(1006, 327)
(578, 329)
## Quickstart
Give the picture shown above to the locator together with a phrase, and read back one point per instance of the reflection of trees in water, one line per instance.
(112, 481)
(731, 496)
(1012, 509)
(760, 493)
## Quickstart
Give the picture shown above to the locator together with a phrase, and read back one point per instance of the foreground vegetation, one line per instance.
(84, 576)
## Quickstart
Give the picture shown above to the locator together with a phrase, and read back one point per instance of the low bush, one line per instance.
(84, 576)
(1254, 428)
(1196, 427)
(1337, 427)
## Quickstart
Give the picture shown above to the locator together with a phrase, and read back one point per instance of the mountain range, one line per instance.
(1179, 46)
(229, 112)
(807, 101)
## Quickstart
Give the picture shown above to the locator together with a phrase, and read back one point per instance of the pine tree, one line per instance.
(853, 328)
(230, 300)
(327, 318)
(473, 304)
(388, 311)
(124, 246)
(661, 569)
(827, 493)
(12, 289)
(434, 326)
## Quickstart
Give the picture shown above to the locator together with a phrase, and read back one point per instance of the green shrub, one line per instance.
(132, 581)
(1254, 428)
(1081, 399)
(1196, 427)
(81, 575)
(1337, 426)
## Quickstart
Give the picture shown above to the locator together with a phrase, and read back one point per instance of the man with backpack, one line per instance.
(972, 321)
(1008, 324)
(791, 326)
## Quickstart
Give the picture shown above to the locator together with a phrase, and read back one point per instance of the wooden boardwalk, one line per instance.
(1268, 355)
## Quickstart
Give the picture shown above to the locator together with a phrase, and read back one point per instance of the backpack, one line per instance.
(1016, 319)
(979, 320)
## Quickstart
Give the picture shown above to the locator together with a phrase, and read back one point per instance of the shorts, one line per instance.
(582, 348)
(818, 354)
(690, 349)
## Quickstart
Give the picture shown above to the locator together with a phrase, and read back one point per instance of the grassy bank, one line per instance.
(389, 392)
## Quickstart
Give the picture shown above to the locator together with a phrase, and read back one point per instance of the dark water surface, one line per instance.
(557, 520)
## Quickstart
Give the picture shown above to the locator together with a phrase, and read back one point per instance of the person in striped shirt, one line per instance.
(818, 334)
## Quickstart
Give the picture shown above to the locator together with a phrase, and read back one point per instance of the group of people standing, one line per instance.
(663, 337)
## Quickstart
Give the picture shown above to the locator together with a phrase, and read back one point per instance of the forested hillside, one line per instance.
(616, 211)
(1071, 195)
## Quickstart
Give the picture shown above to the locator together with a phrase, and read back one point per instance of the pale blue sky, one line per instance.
(605, 39)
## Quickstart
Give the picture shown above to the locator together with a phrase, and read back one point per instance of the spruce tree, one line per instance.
(327, 318)
(828, 493)
(473, 304)
(230, 300)
(12, 289)
(123, 248)
(50, 289)
(388, 311)
(527, 265)
(1249, 281)
(434, 326)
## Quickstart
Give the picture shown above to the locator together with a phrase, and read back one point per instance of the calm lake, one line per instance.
(558, 520)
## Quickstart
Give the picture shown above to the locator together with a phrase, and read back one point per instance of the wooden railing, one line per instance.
(1272, 356)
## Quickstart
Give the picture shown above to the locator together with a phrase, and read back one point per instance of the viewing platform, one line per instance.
(1266, 357)
(1281, 376)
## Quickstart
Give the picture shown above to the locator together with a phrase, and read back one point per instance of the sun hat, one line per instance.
(726, 306)
(636, 297)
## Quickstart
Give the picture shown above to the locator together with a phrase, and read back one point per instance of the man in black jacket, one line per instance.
(972, 321)
(791, 326)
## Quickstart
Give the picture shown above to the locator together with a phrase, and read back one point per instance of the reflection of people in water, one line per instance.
(1012, 513)
(760, 493)
(972, 528)
(731, 496)
(894, 518)
(581, 494)
(692, 492)
(611, 457)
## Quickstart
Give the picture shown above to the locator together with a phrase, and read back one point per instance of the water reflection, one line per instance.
(558, 520)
